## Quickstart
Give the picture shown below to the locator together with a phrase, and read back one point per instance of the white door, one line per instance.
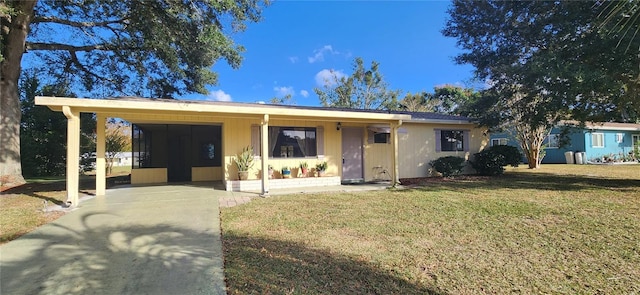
(352, 155)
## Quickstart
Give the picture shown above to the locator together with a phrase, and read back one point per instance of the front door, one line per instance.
(179, 147)
(352, 155)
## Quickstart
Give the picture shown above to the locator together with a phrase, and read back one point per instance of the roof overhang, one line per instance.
(129, 107)
(611, 126)
(436, 121)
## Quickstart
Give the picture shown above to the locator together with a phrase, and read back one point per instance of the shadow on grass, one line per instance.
(265, 266)
(86, 185)
(539, 181)
(82, 258)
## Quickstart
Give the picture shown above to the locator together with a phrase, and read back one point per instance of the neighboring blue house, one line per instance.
(599, 141)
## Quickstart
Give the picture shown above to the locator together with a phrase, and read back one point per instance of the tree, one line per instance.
(117, 139)
(43, 131)
(545, 61)
(137, 47)
(416, 102)
(446, 99)
(287, 99)
(453, 100)
(364, 89)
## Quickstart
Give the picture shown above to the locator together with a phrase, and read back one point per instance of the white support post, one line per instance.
(395, 178)
(101, 177)
(73, 155)
(264, 145)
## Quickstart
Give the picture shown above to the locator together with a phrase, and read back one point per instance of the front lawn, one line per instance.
(559, 229)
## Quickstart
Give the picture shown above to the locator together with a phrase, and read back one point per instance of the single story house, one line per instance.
(596, 140)
(183, 141)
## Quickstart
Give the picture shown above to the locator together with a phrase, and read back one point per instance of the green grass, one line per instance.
(23, 212)
(559, 229)
(21, 208)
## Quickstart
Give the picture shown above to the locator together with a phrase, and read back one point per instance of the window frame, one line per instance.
(619, 137)
(601, 135)
(465, 133)
(379, 135)
(499, 139)
(548, 141)
(305, 129)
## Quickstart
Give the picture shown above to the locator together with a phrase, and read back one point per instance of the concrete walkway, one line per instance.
(136, 240)
(239, 198)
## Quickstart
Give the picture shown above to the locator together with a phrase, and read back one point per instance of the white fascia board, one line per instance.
(113, 106)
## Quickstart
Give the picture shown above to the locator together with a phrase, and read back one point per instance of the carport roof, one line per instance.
(136, 105)
(124, 105)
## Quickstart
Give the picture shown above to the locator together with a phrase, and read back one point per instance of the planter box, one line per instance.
(256, 185)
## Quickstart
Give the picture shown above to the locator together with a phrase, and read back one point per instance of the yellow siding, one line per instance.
(377, 159)
(148, 175)
(237, 135)
(418, 147)
(206, 173)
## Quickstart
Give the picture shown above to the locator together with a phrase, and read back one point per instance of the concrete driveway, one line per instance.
(138, 240)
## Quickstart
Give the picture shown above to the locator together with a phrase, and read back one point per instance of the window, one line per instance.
(452, 140)
(292, 142)
(619, 137)
(381, 137)
(205, 143)
(552, 141)
(597, 140)
(498, 141)
(154, 145)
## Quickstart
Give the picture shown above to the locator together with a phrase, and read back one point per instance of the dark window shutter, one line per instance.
(320, 140)
(255, 140)
(438, 140)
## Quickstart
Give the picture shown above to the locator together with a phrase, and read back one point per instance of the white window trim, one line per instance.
(593, 141)
(506, 141)
(547, 141)
(619, 137)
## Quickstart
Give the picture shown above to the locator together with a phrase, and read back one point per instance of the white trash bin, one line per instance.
(583, 155)
(579, 158)
(569, 157)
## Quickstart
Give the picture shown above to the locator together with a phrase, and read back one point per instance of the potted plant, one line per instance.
(244, 162)
(286, 173)
(304, 168)
(321, 168)
(270, 171)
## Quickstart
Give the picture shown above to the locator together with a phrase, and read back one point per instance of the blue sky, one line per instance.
(299, 42)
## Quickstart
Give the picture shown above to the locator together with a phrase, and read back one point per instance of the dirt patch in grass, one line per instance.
(22, 208)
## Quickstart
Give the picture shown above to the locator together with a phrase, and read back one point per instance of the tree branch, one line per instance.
(49, 19)
(65, 47)
(74, 59)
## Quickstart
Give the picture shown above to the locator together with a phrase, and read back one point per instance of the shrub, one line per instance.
(448, 166)
(512, 155)
(492, 160)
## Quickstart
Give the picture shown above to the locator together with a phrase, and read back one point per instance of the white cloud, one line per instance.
(318, 54)
(304, 93)
(218, 95)
(284, 91)
(328, 77)
(293, 59)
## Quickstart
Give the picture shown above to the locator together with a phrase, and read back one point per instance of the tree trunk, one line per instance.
(533, 157)
(14, 32)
